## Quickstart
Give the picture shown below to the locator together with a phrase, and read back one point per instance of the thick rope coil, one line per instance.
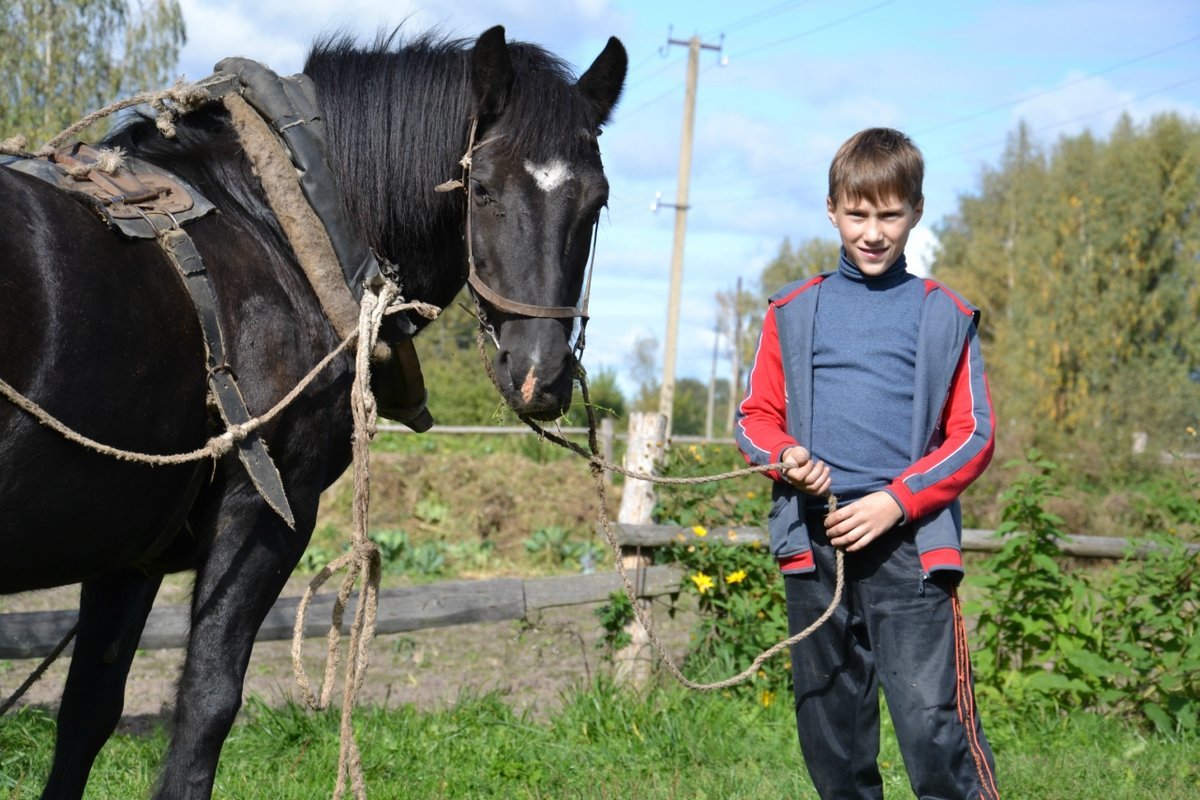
(363, 560)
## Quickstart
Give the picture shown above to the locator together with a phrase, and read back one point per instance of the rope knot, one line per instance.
(237, 432)
(14, 146)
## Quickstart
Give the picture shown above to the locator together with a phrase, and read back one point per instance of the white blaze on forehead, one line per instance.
(549, 176)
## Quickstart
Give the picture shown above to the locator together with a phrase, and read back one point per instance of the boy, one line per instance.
(868, 383)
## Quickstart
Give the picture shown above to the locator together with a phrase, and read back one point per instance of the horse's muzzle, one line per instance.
(535, 367)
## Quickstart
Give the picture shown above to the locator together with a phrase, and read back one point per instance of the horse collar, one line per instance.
(288, 106)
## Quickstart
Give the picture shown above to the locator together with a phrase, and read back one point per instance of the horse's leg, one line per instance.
(251, 557)
(112, 613)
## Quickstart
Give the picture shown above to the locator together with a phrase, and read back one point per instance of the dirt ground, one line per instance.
(529, 663)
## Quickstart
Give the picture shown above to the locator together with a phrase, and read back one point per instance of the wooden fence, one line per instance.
(35, 634)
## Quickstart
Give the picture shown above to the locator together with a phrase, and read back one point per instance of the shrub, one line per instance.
(1054, 641)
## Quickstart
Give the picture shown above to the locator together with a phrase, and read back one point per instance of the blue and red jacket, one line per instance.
(953, 423)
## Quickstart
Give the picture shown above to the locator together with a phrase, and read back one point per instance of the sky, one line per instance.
(789, 82)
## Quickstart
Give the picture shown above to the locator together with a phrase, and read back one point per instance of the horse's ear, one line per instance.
(491, 71)
(604, 79)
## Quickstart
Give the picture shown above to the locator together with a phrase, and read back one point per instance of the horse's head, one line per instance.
(536, 188)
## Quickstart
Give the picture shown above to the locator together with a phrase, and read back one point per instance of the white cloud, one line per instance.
(1081, 103)
(921, 249)
(279, 32)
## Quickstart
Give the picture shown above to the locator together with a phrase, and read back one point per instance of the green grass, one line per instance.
(601, 743)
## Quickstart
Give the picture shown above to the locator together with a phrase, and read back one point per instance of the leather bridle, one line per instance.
(479, 288)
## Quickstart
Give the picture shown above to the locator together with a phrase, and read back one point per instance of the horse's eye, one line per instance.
(480, 193)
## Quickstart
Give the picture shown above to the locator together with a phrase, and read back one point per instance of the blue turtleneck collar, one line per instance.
(894, 274)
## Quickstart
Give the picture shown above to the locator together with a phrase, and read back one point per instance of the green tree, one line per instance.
(811, 257)
(62, 59)
(605, 394)
(1086, 262)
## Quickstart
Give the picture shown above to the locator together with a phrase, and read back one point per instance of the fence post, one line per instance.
(607, 436)
(647, 439)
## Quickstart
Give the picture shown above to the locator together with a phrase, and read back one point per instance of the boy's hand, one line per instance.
(857, 525)
(805, 474)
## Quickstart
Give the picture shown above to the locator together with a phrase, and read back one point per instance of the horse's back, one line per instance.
(98, 332)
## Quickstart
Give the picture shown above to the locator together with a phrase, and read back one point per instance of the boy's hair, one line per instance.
(875, 165)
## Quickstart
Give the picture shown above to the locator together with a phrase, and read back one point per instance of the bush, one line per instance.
(1051, 640)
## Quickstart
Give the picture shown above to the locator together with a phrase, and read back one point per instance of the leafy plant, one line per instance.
(742, 501)
(548, 545)
(431, 510)
(314, 558)
(427, 559)
(1036, 612)
(614, 616)
(553, 546)
(1051, 640)
(1152, 637)
(740, 599)
(473, 555)
(393, 545)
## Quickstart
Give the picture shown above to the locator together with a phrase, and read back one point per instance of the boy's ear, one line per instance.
(919, 211)
(831, 209)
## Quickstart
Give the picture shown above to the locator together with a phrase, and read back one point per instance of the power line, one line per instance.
(754, 19)
(702, 187)
(1059, 88)
(817, 29)
(935, 159)
(744, 22)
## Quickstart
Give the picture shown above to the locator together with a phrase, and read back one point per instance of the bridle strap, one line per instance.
(475, 281)
(503, 303)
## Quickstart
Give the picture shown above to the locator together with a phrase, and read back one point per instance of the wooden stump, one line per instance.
(647, 440)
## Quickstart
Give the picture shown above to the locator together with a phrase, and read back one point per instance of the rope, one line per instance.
(217, 446)
(599, 465)
(183, 97)
(363, 560)
(37, 674)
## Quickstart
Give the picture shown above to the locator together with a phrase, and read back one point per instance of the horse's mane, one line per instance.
(398, 113)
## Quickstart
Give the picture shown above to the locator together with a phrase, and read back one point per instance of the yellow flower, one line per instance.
(1191, 431)
(766, 698)
(751, 495)
(736, 577)
(703, 582)
(732, 536)
(700, 530)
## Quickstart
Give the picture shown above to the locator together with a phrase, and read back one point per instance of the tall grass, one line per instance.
(602, 744)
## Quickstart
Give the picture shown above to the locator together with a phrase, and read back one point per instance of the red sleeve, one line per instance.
(761, 424)
(968, 424)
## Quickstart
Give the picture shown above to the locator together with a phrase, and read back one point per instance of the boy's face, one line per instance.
(874, 235)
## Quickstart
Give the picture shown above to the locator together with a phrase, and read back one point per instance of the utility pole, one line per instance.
(666, 400)
(735, 387)
(712, 384)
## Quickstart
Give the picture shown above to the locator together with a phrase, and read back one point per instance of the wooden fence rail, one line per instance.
(34, 634)
(973, 539)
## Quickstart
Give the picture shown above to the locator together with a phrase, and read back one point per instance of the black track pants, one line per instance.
(896, 630)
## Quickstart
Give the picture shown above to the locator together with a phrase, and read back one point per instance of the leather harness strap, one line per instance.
(252, 450)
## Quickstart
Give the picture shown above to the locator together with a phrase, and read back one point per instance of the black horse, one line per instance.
(101, 333)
